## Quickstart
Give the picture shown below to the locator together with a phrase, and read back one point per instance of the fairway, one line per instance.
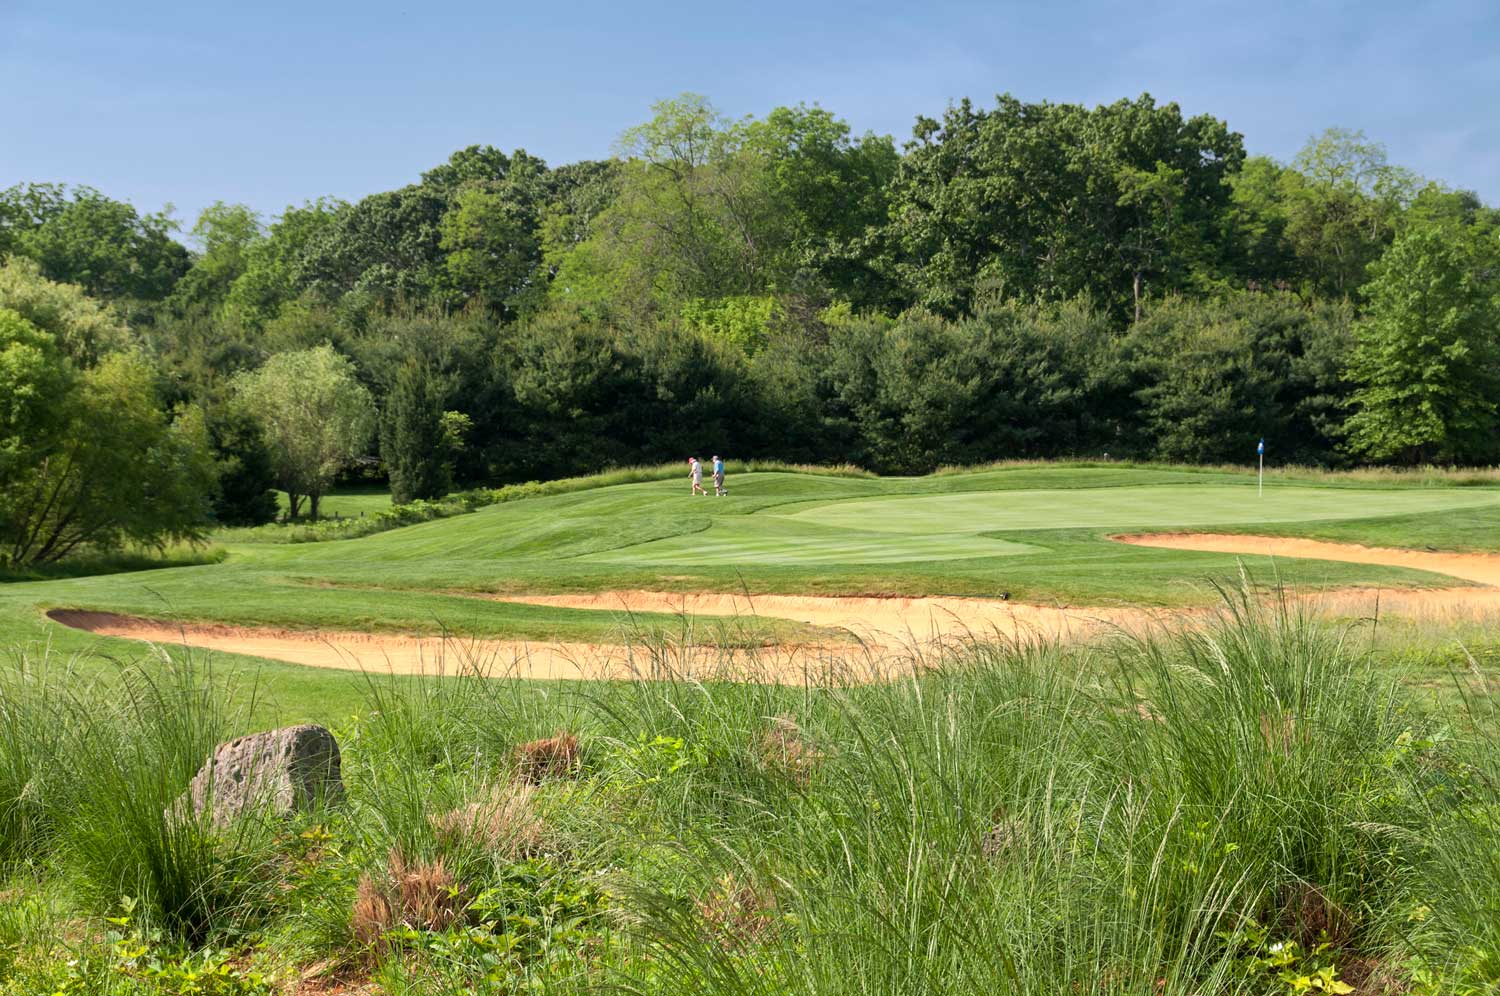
(785, 540)
(569, 570)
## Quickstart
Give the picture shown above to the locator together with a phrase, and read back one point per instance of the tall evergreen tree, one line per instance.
(246, 494)
(415, 446)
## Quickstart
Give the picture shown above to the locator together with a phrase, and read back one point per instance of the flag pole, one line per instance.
(1260, 480)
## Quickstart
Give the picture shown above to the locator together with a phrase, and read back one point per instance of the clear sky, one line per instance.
(270, 103)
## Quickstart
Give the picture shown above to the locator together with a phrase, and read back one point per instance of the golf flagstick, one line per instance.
(1260, 487)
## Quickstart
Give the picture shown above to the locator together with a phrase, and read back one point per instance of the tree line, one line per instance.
(1021, 280)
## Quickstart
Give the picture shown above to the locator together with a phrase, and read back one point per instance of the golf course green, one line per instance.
(1041, 533)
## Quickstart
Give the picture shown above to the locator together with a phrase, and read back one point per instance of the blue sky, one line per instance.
(272, 103)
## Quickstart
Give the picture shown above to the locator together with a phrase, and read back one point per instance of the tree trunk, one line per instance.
(1135, 286)
(293, 502)
(312, 506)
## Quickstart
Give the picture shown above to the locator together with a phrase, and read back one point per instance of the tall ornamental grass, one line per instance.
(1168, 815)
(1248, 804)
(91, 771)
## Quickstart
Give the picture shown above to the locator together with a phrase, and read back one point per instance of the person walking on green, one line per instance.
(695, 474)
(719, 490)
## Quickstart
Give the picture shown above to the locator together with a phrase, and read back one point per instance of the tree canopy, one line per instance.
(1013, 279)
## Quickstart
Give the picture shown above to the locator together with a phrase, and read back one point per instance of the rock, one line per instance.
(280, 772)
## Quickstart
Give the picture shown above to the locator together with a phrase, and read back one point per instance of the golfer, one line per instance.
(695, 473)
(719, 491)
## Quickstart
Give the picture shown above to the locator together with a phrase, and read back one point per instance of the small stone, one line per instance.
(279, 772)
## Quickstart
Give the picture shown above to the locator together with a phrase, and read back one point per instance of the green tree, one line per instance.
(35, 383)
(833, 189)
(225, 234)
(416, 444)
(387, 246)
(101, 244)
(1010, 381)
(83, 329)
(316, 415)
(273, 266)
(25, 207)
(491, 230)
(494, 251)
(695, 217)
(119, 471)
(246, 494)
(1427, 354)
(1343, 199)
(742, 322)
(1317, 224)
(1209, 378)
(1058, 200)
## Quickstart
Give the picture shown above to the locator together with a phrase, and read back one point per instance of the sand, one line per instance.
(1483, 568)
(394, 653)
(879, 622)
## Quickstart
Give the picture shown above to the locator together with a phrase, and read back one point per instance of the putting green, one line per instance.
(947, 527)
(763, 539)
(1125, 508)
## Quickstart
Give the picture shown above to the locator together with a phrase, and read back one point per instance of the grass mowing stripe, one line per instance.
(1152, 507)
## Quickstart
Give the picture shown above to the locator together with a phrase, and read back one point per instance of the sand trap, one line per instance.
(393, 653)
(1483, 568)
(879, 622)
(1444, 605)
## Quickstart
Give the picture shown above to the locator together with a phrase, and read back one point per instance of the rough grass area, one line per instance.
(1255, 806)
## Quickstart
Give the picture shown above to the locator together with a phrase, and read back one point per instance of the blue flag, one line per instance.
(1260, 449)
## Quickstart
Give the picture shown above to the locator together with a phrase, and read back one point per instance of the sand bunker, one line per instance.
(1483, 568)
(394, 653)
(881, 636)
(876, 622)
(1444, 605)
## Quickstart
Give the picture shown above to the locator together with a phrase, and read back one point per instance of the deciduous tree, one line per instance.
(118, 471)
(1427, 357)
(316, 415)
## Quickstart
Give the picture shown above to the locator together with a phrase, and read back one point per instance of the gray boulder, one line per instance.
(277, 773)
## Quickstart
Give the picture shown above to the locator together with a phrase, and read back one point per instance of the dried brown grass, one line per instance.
(550, 757)
(504, 822)
(422, 895)
(1308, 914)
(785, 748)
(738, 914)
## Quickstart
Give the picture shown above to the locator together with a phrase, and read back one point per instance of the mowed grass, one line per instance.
(349, 502)
(1039, 532)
